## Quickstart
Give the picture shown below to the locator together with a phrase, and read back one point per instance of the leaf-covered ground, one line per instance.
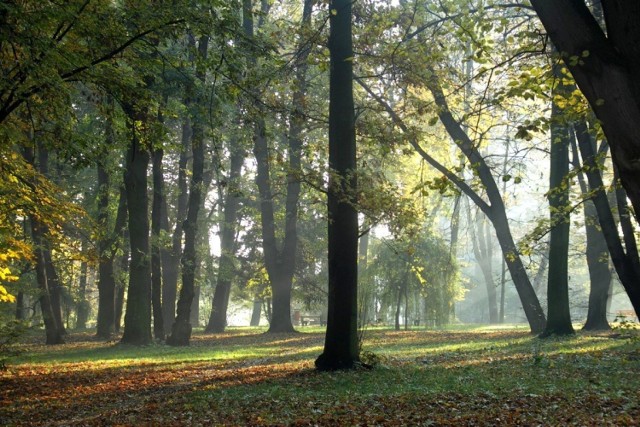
(246, 377)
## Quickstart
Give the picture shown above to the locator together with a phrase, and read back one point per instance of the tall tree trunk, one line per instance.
(106, 281)
(607, 74)
(341, 340)
(53, 281)
(121, 283)
(137, 319)
(495, 211)
(396, 316)
(366, 291)
(280, 262)
(182, 328)
(171, 268)
(226, 268)
(52, 328)
(483, 255)
(157, 205)
(597, 258)
(83, 306)
(626, 224)
(627, 270)
(558, 313)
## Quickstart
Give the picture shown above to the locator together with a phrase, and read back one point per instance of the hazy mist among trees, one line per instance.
(168, 167)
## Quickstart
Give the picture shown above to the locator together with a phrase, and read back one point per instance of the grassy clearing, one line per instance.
(245, 377)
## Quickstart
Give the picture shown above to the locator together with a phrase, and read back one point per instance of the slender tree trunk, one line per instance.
(280, 262)
(21, 306)
(366, 294)
(341, 340)
(558, 313)
(137, 319)
(121, 283)
(106, 282)
(55, 288)
(171, 269)
(157, 206)
(483, 256)
(495, 211)
(626, 224)
(182, 328)
(255, 312)
(597, 258)
(53, 281)
(607, 74)
(83, 306)
(226, 269)
(627, 270)
(396, 316)
(53, 330)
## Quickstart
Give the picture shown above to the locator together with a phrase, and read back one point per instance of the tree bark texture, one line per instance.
(597, 258)
(53, 281)
(171, 269)
(137, 319)
(280, 259)
(181, 329)
(558, 313)
(52, 328)
(627, 270)
(606, 69)
(495, 211)
(226, 269)
(341, 340)
(157, 205)
(106, 282)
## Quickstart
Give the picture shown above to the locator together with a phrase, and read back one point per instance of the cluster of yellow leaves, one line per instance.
(24, 193)
(6, 275)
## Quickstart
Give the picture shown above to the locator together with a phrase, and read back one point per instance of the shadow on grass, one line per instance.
(254, 378)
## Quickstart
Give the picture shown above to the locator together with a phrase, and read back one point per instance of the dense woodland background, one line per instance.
(165, 165)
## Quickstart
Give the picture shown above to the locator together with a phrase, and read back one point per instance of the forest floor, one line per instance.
(473, 376)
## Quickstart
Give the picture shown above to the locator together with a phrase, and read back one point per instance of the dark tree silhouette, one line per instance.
(341, 341)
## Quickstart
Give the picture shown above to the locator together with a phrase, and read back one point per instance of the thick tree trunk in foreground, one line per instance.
(558, 314)
(606, 69)
(341, 340)
(137, 319)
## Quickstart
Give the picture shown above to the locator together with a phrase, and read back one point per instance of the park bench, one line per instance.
(312, 320)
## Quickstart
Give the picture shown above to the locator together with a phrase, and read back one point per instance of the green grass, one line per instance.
(247, 377)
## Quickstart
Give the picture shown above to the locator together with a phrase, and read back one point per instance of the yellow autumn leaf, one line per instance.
(6, 296)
